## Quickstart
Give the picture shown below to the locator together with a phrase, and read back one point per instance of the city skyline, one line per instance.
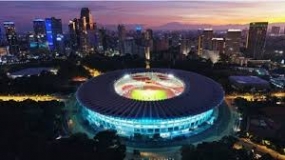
(149, 14)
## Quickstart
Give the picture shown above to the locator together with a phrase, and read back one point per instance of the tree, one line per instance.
(217, 150)
(108, 146)
(267, 157)
(77, 146)
(187, 152)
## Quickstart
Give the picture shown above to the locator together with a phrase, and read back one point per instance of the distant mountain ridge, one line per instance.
(181, 26)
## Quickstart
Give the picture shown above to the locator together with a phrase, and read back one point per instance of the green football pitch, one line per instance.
(148, 94)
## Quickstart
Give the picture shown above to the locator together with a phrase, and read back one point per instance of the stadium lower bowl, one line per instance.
(165, 128)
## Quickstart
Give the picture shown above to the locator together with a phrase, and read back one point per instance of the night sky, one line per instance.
(149, 13)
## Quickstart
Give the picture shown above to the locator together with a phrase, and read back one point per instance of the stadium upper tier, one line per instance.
(150, 94)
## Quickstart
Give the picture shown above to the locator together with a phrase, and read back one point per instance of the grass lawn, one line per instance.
(148, 94)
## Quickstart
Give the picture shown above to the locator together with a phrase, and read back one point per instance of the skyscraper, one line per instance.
(78, 35)
(87, 30)
(56, 25)
(275, 30)
(74, 33)
(49, 31)
(233, 41)
(207, 38)
(185, 46)
(39, 26)
(122, 37)
(138, 30)
(39, 38)
(11, 37)
(54, 33)
(129, 45)
(148, 36)
(256, 39)
(1, 37)
(218, 45)
(87, 19)
(102, 40)
(200, 45)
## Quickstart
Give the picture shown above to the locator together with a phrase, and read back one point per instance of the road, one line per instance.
(246, 142)
(38, 98)
(92, 72)
(170, 153)
(251, 97)
(261, 148)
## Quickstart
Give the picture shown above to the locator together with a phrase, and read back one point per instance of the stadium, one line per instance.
(149, 102)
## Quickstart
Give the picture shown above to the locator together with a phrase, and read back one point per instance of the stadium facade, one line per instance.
(164, 102)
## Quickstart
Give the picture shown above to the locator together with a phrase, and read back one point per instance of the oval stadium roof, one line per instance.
(200, 94)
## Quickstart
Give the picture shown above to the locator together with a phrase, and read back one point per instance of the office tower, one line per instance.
(148, 34)
(138, 36)
(233, 41)
(161, 44)
(1, 37)
(56, 25)
(218, 45)
(185, 46)
(103, 42)
(129, 45)
(11, 37)
(78, 36)
(92, 36)
(148, 37)
(256, 39)
(74, 33)
(207, 38)
(49, 33)
(106, 40)
(39, 26)
(244, 37)
(122, 37)
(87, 33)
(39, 38)
(82, 32)
(275, 30)
(32, 40)
(54, 34)
(58, 38)
(138, 31)
(87, 19)
(200, 45)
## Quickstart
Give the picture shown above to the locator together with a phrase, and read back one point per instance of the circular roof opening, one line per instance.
(149, 86)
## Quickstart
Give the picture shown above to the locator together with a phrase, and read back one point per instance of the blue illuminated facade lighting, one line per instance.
(49, 33)
(138, 28)
(166, 128)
